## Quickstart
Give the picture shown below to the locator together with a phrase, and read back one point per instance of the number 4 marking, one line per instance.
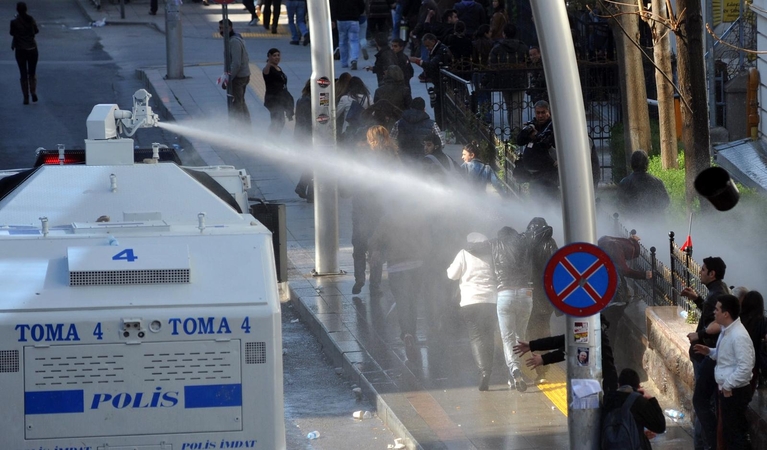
(97, 331)
(125, 255)
(246, 325)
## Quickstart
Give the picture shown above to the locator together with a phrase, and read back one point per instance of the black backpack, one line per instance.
(619, 429)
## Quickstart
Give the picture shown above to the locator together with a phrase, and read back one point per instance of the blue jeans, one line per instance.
(297, 12)
(396, 18)
(348, 40)
(363, 31)
(514, 309)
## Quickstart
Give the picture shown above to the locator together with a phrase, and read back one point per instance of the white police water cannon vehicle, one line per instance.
(140, 307)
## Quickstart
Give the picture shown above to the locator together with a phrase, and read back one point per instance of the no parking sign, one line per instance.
(580, 279)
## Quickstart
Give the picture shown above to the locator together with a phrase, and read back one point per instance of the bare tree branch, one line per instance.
(636, 44)
(734, 47)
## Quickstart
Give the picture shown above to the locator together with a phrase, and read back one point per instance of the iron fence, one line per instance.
(667, 281)
(488, 105)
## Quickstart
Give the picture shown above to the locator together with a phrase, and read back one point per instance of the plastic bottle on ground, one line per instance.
(674, 414)
(313, 435)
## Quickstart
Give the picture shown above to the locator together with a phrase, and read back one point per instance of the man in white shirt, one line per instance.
(734, 356)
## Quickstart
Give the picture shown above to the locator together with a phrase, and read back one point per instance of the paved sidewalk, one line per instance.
(433, 404)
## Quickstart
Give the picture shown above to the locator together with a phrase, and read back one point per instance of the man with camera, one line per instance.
(538, 162)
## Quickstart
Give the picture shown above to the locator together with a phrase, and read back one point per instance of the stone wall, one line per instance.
(666, 359)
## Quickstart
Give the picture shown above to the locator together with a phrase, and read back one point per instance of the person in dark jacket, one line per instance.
(557, 344)
(398, 45)
(23, 29)
(436, 163)
(277, 99)
(510, 53)
(752, 317)
(538, 164)
(439, 55)
(472, 14)
(640, 194)
(441, 28)
(394, 89)
(412, 128)
(302, 135)
(460, 45)
(537, 89)
(646, 410)
(383, 59)
(512, 273)
(541, 246)
(711, 274)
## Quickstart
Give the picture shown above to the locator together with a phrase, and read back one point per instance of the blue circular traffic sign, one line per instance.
(580, 279)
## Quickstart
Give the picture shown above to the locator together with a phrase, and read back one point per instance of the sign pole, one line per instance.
(578, 207)
(227, 56)
(324, 137)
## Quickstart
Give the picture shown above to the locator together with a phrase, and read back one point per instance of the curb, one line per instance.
(341, 358)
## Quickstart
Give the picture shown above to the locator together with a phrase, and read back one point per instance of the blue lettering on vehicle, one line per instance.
(199, 325)
(48, 332)
(138, 400)
(73, 401)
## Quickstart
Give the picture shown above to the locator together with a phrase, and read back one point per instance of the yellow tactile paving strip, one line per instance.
(555, 388)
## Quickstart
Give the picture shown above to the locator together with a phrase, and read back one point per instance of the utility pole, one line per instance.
(227, 56)
(324, 137)
(578, 205)
(174, 40)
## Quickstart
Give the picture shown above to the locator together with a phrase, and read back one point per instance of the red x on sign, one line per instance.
(580, 279)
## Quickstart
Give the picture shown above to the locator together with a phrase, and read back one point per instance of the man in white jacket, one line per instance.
(478, 305)
(734, 356)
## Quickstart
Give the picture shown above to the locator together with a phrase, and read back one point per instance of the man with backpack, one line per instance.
(627, 412)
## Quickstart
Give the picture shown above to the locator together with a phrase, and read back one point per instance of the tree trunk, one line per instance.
(692, 84)
(667, 118)
(636, 117)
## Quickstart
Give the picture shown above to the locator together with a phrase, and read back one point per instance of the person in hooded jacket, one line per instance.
(410, 130)
(511, 264)
(383, 59)
(645, 410)
(472, 14)
(394, 89)
(640, 194)
(23, 29)
(541, 246)
(478, 305)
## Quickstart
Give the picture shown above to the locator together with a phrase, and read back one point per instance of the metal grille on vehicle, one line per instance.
(98, 278)
(9, 361)
(255, 353)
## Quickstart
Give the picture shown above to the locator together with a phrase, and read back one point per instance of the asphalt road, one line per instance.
(76, 70)
(82, 66)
